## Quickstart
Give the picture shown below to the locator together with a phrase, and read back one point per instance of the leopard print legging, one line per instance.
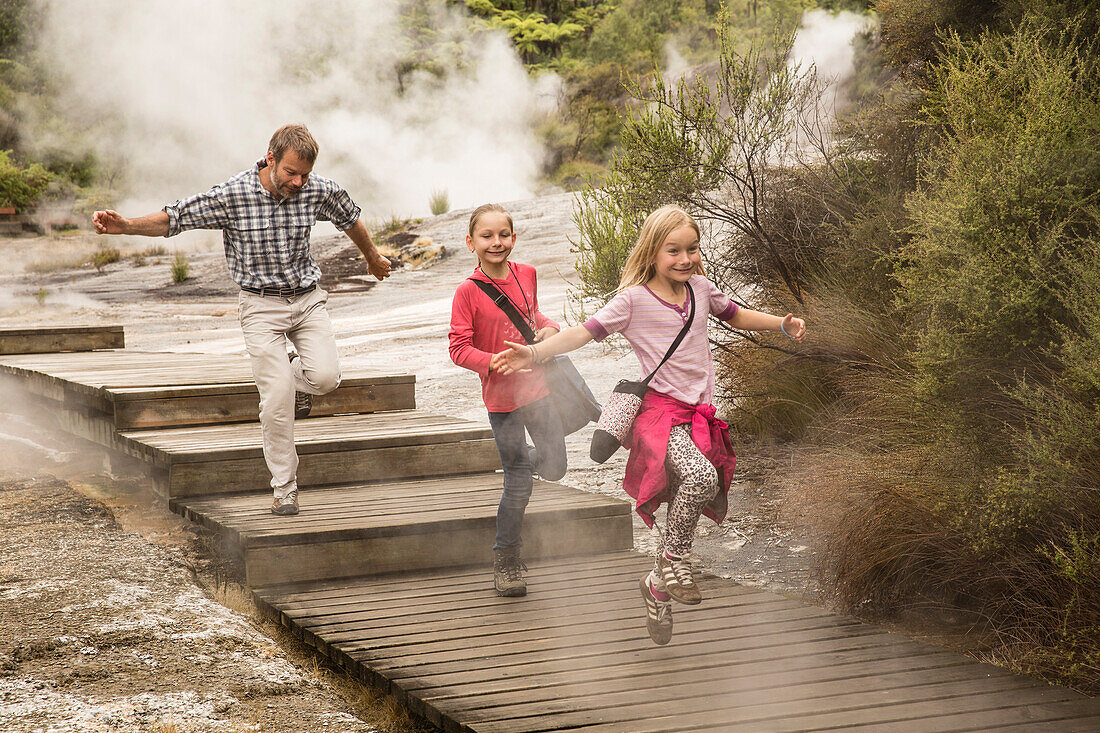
(693, 483)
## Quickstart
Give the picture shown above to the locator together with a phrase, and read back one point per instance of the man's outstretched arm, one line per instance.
(377, 265)
(151, 225)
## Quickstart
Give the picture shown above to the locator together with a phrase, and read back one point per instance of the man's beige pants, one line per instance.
(268, 322)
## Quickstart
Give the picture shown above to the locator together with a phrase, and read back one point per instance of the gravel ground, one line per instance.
(106, 623)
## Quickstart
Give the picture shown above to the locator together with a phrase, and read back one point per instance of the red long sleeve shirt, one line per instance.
(479, 329)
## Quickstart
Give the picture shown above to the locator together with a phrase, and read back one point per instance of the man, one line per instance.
(265, 214)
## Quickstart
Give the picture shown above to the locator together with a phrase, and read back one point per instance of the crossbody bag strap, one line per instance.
(679, 336)
(505, 305)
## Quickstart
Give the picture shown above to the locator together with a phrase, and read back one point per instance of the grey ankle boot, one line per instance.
(508, 573)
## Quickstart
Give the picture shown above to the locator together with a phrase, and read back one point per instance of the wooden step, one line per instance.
(403, 526)
(217, 459)
(134, 389)
(68, 338)
(574, 654)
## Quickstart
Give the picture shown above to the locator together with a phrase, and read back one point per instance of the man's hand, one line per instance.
(112, 222)
(378, 266)
(109, 222)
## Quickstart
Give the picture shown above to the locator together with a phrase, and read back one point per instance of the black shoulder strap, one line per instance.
(679, 336)
(514, 316)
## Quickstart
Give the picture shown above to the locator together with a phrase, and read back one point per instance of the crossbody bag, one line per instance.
(617, 418)
(574, 401)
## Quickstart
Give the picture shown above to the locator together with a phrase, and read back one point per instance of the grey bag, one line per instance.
(574, 401)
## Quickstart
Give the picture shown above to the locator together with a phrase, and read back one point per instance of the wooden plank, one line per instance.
(358, 378)
(322, 468)
(242, 404)
(559, 635)
(583, 622)
(50, 330)
(477, 610)
(424, 586)
(976, 721)
(381, 506)
(358, 529)
(121, 375)
(625, 700)
(852, 664)
(39, 340)
(331, 434)
(1024, 703)
(544, 536)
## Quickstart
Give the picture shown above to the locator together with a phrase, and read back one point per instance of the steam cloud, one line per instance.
(825, 40)
(181, 94)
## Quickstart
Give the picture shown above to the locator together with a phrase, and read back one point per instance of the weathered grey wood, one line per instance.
(445, 522)
(71, 338)
(240, 404)
(335, 467)
(745, 659)
(147, 390)
(329, 435)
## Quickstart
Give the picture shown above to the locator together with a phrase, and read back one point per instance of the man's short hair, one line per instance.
(296, 138)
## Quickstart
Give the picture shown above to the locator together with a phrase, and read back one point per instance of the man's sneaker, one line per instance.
(508, 573)
(676, 575)
(286, 506)
(303, 401)
(658, 615)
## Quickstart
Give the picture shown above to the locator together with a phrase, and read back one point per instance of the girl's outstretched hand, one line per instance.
(514, 359)
(794, 327)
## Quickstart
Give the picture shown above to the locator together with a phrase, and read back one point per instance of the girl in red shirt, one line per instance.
(519, 402)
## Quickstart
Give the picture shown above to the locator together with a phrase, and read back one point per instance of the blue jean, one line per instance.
(548, 459)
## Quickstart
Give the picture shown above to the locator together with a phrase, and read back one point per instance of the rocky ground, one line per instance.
(116, 615)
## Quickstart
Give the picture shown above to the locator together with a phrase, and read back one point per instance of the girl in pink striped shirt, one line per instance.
(676, 434)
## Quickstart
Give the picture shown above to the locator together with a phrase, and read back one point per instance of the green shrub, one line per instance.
(181, 270)
(21, 187)
(103, 256)
(983, 492)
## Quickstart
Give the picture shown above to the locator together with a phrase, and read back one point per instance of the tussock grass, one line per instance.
(439, 202)
(181, 269)
(104, 256)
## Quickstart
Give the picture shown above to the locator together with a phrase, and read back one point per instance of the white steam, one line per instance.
(184, 93)
(824, 40)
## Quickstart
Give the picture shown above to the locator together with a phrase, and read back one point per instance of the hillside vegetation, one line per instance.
(942, 242)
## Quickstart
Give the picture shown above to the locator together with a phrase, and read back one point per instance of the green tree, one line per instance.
(712, 144)
(21, 187)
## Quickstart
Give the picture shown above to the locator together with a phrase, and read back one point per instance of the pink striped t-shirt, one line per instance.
(650, 325)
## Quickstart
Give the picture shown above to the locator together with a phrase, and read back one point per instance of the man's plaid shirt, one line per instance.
(266, 239)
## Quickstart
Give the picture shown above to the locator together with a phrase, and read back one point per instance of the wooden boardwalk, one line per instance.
(386, 571)
(564, 659)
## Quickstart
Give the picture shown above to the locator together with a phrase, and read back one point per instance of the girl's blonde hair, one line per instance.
(485, 209)
(641, 263)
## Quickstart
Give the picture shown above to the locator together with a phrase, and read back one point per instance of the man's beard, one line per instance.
(281, 188)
